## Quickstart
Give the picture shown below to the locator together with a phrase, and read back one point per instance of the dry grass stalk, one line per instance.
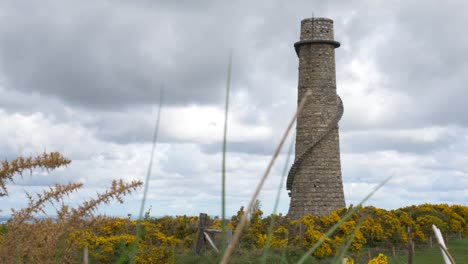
(244, 219)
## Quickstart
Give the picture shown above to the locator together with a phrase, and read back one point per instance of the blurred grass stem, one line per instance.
(223, 169)
(243, 221)
(148, 177)
(275, 207)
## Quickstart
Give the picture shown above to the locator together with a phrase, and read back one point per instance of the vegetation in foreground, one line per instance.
(29, 239)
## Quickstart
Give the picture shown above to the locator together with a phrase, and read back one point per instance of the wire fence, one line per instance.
(402, 249)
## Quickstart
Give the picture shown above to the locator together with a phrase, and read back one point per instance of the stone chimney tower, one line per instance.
(314, 181)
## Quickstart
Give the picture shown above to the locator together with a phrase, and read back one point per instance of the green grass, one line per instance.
(457, 248)
(289, 255)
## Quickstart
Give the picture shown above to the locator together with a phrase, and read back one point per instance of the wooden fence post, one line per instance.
(410, 246)
(200, 242)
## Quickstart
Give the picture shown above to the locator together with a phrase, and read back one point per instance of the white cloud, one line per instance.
(205, 125)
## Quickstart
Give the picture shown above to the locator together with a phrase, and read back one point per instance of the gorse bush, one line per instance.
(113, 236)
(48, 161)
(29, 239)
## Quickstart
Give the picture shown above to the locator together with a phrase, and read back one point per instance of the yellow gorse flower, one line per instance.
(380, 259)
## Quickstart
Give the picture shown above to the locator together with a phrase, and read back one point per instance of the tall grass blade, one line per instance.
(275, 207)
(309, 252)
(133, 247)
(223, 168)
(243, 221)
(153, 149)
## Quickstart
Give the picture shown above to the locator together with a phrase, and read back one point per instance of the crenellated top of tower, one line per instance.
(316, 30)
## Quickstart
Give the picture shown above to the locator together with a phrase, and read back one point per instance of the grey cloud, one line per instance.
(425, 57)
(419, 52)
(110, 56)
(135, 125)
(114, 54)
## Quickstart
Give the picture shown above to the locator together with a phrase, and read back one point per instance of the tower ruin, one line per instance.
(314, 180)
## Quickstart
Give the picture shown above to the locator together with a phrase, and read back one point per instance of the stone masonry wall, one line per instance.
(317, 186)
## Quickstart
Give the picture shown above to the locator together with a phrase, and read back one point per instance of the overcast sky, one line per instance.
(84, 77)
